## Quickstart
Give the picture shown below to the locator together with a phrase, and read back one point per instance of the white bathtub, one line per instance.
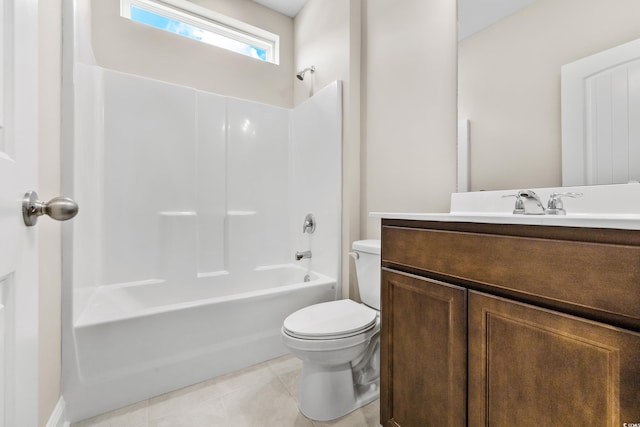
(139, 340)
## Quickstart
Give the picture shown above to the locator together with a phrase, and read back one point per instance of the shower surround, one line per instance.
(180, 266)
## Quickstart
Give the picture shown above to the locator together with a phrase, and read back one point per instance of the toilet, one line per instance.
(339, 344)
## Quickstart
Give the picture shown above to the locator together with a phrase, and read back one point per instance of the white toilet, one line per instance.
(339, 344)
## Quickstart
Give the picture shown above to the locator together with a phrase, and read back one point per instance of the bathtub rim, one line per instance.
(81, 322)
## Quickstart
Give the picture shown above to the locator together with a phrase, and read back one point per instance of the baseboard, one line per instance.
(58, 416)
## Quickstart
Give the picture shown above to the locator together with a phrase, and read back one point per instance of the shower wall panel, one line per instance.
(211, 185)
(258, 159)
(179, 184)
(87, 159)
(184, 183)
(317, 168)
(149, 167)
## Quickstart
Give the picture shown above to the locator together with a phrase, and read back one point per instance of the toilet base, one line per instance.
(328, 392)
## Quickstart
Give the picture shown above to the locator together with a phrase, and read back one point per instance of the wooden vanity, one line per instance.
(509, 325)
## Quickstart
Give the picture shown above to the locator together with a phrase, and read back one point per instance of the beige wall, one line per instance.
(509, 85)
(328, 36)
(48, 187)
(123, 45)
(409, 108)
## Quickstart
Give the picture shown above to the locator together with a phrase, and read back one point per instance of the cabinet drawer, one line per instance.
(603, 278)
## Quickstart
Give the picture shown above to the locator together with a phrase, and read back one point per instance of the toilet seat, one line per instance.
(330, 320)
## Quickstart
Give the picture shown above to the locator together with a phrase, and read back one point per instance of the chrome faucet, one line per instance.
(525, 199)
(529, 198)
(301, 255)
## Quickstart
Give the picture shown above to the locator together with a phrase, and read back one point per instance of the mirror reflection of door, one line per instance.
(601, 117)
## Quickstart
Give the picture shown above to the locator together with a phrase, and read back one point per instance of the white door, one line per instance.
(18, 243)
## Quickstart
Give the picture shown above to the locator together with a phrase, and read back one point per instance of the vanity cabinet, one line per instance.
(503, 325)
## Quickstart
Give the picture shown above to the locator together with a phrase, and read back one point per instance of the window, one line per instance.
(195, 22)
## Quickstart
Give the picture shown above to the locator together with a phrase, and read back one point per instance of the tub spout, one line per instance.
(301, 255)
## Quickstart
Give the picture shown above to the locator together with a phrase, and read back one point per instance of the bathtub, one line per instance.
(135, 341)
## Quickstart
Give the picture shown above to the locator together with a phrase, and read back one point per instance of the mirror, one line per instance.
(510, 53)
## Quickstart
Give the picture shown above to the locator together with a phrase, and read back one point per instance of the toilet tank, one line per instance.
(368, 271)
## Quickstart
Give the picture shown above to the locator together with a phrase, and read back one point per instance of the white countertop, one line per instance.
(620, 221)
(605, 206)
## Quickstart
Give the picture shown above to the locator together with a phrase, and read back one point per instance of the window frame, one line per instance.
(208, 20)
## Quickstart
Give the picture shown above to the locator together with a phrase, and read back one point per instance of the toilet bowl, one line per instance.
(339, 345)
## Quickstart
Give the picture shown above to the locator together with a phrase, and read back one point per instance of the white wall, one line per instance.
(127, 46)
(409, 108)
(509, 85)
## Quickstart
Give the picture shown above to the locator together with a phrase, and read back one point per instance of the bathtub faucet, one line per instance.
(305, 254)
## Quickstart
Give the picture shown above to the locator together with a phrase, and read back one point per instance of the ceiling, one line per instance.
(476, 15)
(473, 15)
(286, 7)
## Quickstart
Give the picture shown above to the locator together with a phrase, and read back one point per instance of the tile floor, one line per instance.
(264, 395)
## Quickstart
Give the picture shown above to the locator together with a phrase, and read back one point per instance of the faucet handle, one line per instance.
(309, 225)
(519, 207)
(555, 206)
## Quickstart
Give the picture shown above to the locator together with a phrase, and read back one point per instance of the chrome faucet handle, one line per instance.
(555, 206)
(519, 207)
(309, 225)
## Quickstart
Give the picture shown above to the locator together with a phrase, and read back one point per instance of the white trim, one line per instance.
(463, 156)
(58, 417)
(211, 21)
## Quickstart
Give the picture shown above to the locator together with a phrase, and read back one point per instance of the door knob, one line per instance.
(58, 208)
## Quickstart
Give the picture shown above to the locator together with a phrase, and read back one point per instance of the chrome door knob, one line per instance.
(58, 208)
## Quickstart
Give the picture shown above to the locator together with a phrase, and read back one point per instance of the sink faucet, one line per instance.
(301, 255)
(528, 203)
(529, 198)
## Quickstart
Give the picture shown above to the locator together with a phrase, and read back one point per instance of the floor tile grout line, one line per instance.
(284, 385)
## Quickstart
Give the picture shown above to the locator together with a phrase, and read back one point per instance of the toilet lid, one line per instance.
(328, 320)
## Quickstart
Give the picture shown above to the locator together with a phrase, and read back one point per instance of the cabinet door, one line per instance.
(534, 367)
(423, 352)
